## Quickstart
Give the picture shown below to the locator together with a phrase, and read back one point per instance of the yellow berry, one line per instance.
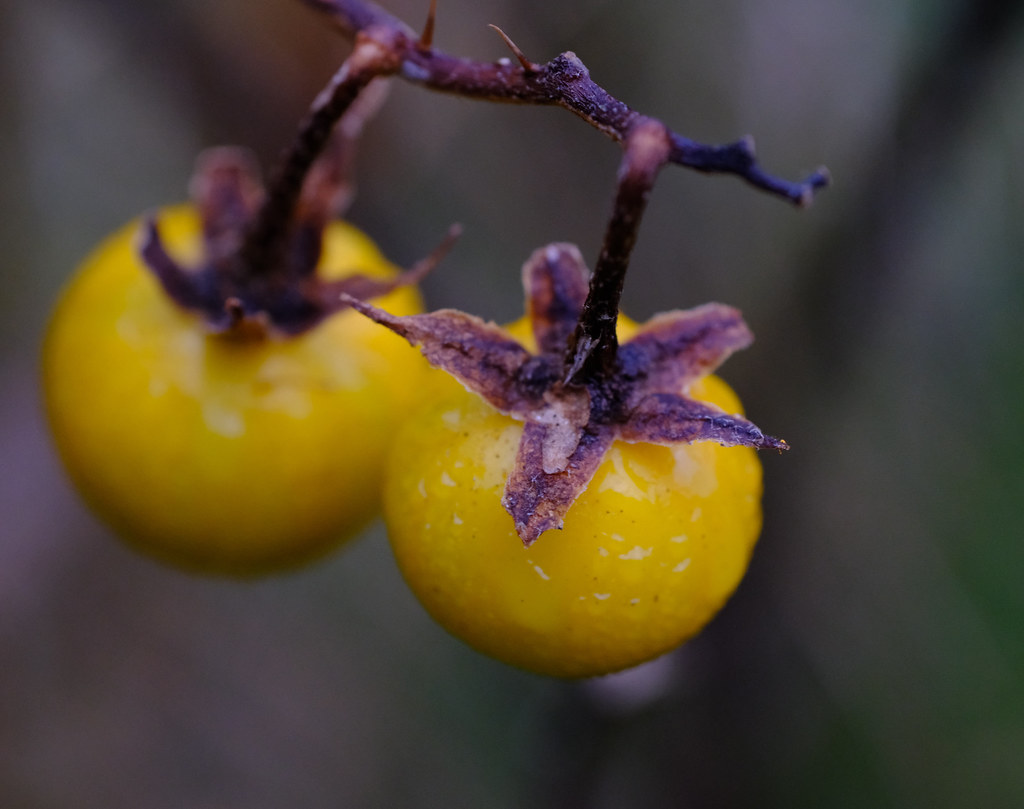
(225, 455)
(648, 554)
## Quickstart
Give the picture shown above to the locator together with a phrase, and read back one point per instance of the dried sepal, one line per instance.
(481, 355)
(227, 191)
(569, 427)
(538, 500)
(556, 294)
(179, 284)
(665, 418)
(673, 349)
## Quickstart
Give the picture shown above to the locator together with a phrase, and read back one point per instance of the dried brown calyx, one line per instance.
(582, 390)
(248, 292)
(570, 425)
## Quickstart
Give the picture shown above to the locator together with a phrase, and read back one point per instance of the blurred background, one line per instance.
(874, 655)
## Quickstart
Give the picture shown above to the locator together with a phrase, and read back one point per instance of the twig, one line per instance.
(565, 82)
(594, 344)
(266, 238)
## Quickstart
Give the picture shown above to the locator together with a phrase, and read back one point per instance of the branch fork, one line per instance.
(580, 390)
(263, 247)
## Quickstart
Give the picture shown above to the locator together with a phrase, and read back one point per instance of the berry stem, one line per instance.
(265, 240)
(593, 348)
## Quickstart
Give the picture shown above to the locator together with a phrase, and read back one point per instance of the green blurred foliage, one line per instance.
(874, 655)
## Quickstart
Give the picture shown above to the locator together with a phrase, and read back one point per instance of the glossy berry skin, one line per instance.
(217, 453)
(648, 554)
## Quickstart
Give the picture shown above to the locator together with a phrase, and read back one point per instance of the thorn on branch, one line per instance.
(527, 65)
(427, 37)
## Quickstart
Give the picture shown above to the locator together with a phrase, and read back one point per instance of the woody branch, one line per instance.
(564, 81)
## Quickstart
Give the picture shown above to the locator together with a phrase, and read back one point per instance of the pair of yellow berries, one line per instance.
(249, 456)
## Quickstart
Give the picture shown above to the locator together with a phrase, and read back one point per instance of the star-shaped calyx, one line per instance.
(569, 426)
(258, 271)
